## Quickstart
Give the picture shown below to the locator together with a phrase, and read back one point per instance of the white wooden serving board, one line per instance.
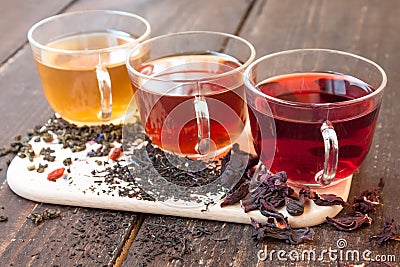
(78, 188)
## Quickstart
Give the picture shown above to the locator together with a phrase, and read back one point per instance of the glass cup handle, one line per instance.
(326, 176)
(104, 83)
(203, 125)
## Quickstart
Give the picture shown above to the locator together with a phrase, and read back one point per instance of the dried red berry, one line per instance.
(116, 153)
(54, 175)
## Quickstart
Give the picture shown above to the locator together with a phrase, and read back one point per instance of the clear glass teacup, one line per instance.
(81, 57)
(313, 112)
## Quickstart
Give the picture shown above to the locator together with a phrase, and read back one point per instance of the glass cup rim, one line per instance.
(240, 68)
(44, 47)
(249, 85)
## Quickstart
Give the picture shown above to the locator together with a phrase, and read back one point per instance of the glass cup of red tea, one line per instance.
(313, 112)
(190, 92)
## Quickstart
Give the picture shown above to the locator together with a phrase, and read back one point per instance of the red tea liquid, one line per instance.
(167, 109)
(299, 144)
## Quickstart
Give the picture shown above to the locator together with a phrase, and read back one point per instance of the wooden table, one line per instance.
(82, 236)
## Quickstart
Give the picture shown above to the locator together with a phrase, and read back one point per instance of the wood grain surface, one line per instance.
(90, 237)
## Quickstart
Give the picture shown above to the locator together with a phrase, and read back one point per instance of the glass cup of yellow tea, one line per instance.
(80, 58)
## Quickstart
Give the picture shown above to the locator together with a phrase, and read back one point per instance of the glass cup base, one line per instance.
(317, 186)
(130, 117)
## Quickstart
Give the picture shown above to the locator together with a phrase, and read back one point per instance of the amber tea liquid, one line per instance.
(168, 113)
(69, 80)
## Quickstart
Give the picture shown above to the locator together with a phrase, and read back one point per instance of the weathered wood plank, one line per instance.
(79, 237)
(171, 241)
(16, 210)
(16, 19)
(363, 27)
(20, 90)
(179, 15)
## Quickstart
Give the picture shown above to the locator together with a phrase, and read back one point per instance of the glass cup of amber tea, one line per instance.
(313, 112)
(190, 91)
(80, 58)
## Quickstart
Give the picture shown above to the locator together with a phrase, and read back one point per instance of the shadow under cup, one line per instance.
(313, 113)
(190, 91)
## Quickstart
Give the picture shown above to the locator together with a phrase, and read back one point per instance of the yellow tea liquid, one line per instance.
(69, 79)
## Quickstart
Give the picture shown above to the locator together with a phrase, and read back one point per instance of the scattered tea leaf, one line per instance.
(271, 229)
(367, 201)
(3, 218)
(350, 222)
(47, 214)
(295, 207)
(322, 199)
(31, 168)
(390, 231)
(270, 187)
(362, 207)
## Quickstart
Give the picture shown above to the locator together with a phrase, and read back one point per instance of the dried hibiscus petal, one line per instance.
(300, 235)
(295, 207)
(277, 226)
(236, 195)
(273, 215)
(54, 175)
(329, 200)
(390, 231)
(351, 222)
(322, 199)
(270, 187)
(367, 201)
(291, 236)
(249, 205)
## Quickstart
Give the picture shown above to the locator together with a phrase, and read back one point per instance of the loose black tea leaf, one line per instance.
(164, 239)
(170, 176)
(114, 174)
(390, 231)
(351, 222)
(172, 167)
